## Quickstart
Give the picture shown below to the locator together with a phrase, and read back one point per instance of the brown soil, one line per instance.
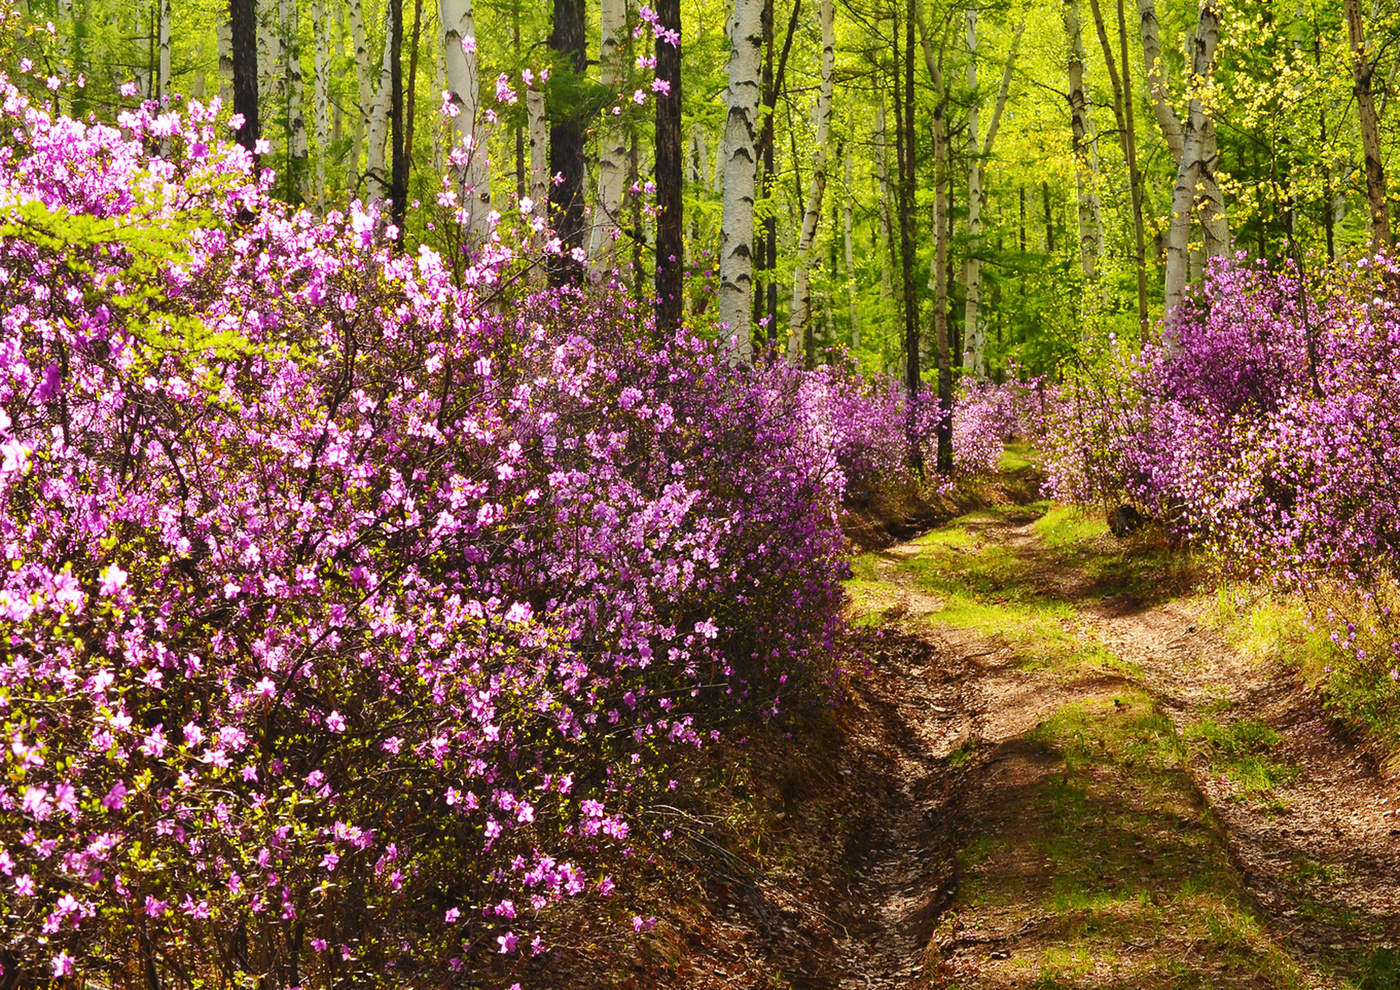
(907, 844)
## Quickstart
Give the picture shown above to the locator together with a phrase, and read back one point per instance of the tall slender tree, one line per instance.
(612, 140)
(740, 138)
(800, 328)
(568, 39)
(464, 92)
(1362, 71)
(243, 24)
(670, 220)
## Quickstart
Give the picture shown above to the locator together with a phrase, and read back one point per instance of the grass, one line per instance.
(966, 581)
(1141, 567)
(1355, 685)
(1112, 855)
(1238, 751)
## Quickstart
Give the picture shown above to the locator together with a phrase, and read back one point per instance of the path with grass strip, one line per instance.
(1101, 791)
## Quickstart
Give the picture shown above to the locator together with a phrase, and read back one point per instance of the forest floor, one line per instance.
(1059, 773)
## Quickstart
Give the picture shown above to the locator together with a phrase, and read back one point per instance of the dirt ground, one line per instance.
(1057, 773)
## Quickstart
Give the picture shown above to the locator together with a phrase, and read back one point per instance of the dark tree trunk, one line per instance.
(907, 165)
(566, 145)
(670, 249)
(244, 24)
(398, 161)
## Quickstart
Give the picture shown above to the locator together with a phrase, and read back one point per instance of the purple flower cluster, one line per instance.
(353, 611)
(1265, 429)
(986, 416)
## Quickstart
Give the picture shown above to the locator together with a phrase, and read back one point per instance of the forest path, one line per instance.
(1081, 784)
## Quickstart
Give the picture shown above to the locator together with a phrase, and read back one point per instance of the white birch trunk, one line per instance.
(846, 228)
(612, 140)
(464, 87)
(1085, 152)
(364, 83)
(1190, 167)
(321, 97)
(269, 61)
(377, 128)
(537, 136)
(163, 39)
(740, 138)
(1207, 201)
(800, 321)
(223, 40)
(289, 33)
(1157, 80)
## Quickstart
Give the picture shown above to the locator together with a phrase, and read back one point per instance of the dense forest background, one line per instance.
(1016, 167)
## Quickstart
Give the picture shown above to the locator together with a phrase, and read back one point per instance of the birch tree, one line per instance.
(223, 43)
(321, 99)
(1193, 168)
(377, 125)
(537, 127)
(800, 340)
(978, 150)
(1085, 143)
(612, 156)
(1361, 72)
(740, 137)
(464, 92)
(298, 147)
(163, 36)
(1192, 143)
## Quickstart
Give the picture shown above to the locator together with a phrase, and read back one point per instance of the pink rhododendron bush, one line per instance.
(353, 613)
(987, 416)
(1266, 431)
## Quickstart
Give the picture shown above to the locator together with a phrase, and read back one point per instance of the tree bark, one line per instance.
(163, 74)
(1085, 151)
(472, 161)
(568, 39)
(298, 147)
(740, 161)
(974, 333)
(377, 133)
(321, 98)
(1361, 73)
(670, 163)
(612, 157)
(223, 42)
(800, 325)
(1192, 166)
(537, 126)
(243, 47)
(398, 160)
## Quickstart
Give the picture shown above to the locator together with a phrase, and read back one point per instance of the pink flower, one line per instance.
(508, 942)
(62, 965)
(335, 722)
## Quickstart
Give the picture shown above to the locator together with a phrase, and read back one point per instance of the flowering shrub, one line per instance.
(352, 613)
(1266, 432)
(986, 416)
